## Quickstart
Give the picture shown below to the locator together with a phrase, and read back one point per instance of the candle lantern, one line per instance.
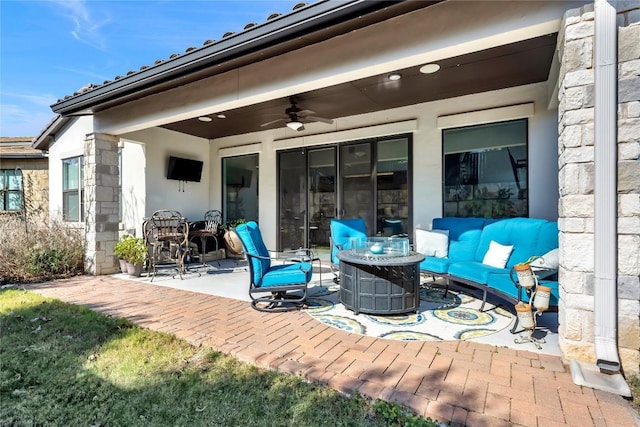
(525, 316)
(541, 297)
(526, 278)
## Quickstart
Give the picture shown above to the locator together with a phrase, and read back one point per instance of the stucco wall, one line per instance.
(427, 150)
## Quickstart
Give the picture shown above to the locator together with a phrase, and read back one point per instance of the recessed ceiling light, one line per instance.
(395, 76)
(221, 116)
(205, 119)
(429, 68)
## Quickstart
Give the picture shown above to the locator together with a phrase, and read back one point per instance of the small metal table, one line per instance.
(379, 284)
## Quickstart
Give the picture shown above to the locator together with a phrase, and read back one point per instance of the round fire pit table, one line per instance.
(379, 284)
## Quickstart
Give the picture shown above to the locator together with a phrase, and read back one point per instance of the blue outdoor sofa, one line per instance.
(469, 240)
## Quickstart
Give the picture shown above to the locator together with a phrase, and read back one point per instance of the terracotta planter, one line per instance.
(233, 243)
(134, 270)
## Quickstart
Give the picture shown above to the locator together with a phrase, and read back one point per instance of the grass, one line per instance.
(66, 365)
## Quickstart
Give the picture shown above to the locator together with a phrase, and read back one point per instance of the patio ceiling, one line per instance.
(510, 65)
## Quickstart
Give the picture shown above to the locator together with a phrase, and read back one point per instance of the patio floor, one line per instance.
(462, 382)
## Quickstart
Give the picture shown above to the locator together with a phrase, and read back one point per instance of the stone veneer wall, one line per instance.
(101, 173)
(35, 182)
(576, 182)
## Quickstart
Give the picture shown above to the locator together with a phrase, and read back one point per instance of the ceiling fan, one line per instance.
(295, 117)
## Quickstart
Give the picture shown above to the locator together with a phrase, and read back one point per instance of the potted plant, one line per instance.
(133, 251)
(120, 251)
(231, 239)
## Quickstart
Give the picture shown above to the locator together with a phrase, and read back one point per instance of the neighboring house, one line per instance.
(24, 177)
(411, 111)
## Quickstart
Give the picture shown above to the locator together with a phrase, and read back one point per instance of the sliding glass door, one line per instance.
(307, 202)
(367, 179)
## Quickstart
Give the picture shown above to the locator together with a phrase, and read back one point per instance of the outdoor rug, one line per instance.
(454, 317)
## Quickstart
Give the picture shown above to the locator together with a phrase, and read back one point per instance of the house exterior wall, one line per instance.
(146, 188)
(69, 143)
(576, 180)
(35, 181)
(421, 121)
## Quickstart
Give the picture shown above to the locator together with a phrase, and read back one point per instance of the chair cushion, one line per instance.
(287, 274)
(343, 231)
(253, 244)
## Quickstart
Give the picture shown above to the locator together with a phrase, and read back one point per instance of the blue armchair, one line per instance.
(344, 232)
(273, 286)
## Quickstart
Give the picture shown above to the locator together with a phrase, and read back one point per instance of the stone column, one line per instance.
(576, 182)
(101, 203)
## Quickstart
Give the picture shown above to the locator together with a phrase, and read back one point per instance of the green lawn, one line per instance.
(65, 365)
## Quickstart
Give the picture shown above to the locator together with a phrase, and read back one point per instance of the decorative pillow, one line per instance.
(432, 242)
(497, 255)
(548, 260)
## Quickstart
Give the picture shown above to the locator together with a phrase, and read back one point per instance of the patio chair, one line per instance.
(207, 230)
(273, 287)
(344, 234)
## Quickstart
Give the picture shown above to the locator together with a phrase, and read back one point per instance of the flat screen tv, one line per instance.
(182, 169)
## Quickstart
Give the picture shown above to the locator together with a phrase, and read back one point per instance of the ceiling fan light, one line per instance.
(205, 119)
(394, 76)
(294, 125)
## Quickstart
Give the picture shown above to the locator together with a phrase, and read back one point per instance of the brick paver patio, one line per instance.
(460, 382)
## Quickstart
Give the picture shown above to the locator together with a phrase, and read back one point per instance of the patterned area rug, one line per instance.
(454, 317)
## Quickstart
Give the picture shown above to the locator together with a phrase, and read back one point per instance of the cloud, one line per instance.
(26, 114)
(86, 28)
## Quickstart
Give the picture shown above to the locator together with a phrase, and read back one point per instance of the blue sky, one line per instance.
(50, 49)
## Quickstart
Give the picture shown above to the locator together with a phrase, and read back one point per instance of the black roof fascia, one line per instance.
(286, 27)
(47, 135)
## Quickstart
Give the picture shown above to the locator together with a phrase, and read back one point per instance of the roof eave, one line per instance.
(47, 135)
(281, 29)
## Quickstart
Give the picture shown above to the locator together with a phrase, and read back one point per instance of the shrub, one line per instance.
(131, 249)
(36, 249)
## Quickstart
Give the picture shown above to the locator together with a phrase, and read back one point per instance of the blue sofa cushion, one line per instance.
(436, 265)
(473, 271)
(287, 274)
(548, 238)
(522, 233)
(464, 234)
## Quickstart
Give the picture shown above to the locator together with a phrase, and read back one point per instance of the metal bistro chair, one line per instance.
(343, 233)
(212, 227)
(285, 284)
(167, 238)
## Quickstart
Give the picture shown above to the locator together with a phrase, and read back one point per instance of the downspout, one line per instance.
(606, 374)
(606, 204)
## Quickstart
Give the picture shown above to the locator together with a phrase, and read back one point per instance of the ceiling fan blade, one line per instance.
(305, 113)
(319, 119)
(272, 122)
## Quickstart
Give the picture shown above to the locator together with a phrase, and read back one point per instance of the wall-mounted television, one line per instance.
(182, 169)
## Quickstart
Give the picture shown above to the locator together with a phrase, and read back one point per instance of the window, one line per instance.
(11, 190)
(72, 189)
(240, 188)
(485, 170)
